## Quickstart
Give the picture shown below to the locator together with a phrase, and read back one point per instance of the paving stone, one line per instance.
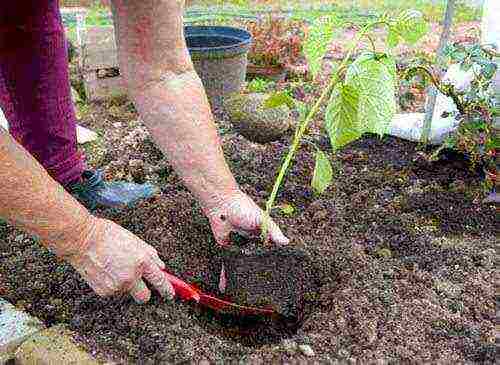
(54, 345)
(15, 327)
(6, 360)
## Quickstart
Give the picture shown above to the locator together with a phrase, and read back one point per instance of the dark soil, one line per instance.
(404, 253)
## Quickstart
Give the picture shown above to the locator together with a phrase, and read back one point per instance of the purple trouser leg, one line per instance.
(35, 92)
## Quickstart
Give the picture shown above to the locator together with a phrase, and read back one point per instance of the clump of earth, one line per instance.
(277, 278)
(253, 121)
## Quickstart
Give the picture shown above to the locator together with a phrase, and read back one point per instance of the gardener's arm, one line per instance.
(111, 259)
(172, 103)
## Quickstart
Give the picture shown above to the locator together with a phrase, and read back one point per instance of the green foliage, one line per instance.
(98, 15)
(374, 78)
(286, 209)
(341, 119)
(323, 173)
(278, 99)
(319, 36)
(475, 135)
(259, 85)
(361, 95)
(409, 26)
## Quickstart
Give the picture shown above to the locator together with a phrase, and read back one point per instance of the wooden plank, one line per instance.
(102, 88)
(99, 49)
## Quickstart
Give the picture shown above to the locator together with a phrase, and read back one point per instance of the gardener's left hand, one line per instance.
(239, 213)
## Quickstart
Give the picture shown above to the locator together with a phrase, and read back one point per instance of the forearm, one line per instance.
(177, 113)
(169, 95)
(31, 200)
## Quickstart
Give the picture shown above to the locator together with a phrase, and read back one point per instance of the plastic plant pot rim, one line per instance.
(242, 38)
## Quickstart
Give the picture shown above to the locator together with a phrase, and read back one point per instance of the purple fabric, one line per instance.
(35, 92)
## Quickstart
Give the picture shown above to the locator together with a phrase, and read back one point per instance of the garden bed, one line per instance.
(404, 251)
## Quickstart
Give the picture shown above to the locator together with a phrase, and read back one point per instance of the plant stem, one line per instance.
(304, 124)
(374, 49)
(450, 92)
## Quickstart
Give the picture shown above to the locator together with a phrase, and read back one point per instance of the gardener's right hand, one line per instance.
(115, 261)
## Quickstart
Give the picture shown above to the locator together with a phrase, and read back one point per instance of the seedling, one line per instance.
(360, 96)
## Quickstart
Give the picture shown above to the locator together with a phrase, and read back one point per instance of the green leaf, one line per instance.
(319, 37)
(341, 119)
(409, 26)
(278, 99)
(374, 77)
(392, 37)
(323, 173)
(303, 109)
(286, 209)
(488, 70)
(389, 62)
(494, 143)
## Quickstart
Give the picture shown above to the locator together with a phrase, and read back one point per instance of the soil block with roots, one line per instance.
(266, 278)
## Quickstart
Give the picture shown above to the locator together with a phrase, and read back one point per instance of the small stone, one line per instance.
(384, 252)
(487, 258)
(448, 288)
(19, 238)
(343, 354)
(255, 122)
(136, 170)
(387, 194)
(117, 125)
(15, 326)
(188, 348)
(306, 350)
(289, 346)
(52, 346)
(56, 302)
(320, 215)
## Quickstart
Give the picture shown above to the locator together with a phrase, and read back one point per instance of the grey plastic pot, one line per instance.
(219, 55)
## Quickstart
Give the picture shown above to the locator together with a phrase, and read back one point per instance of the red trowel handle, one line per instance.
(182, 289)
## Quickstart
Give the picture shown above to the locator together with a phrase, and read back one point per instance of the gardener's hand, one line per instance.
(115, 261)
(239, 213)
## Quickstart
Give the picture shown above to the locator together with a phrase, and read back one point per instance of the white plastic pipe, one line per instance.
(490, 34)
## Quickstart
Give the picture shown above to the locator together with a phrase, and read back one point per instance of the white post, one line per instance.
(490, 35)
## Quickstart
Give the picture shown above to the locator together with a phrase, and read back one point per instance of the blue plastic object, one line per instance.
(94, 191)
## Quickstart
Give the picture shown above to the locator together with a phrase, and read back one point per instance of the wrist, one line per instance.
(218, 199)
(75, 241)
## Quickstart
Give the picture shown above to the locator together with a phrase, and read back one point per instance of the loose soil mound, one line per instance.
(405, 254)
